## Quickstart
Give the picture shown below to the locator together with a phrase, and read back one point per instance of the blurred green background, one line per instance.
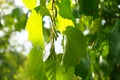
(13, 38)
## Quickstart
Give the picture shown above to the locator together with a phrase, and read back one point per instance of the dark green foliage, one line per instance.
(66, 9)
(82, 68)
(16, 13)
(88, 7)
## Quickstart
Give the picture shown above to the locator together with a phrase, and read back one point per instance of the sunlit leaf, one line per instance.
(49, 5)
(105, 50)
(34, 28)
(63, 23)
(42, 10)
(35, 64)
(95, 26)
(87, 20)
(43, 2)
(51, 66)
(35, 32)
(75, 47)
(65, 16)
(8, 20)
(46, 33)
(30, 4)
(62, 74)
(84, 22)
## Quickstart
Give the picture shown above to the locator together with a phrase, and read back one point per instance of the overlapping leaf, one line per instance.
(34, 28)
(75, 47)
(114, 37)
(65, 17)
(51, 66)
(62, 74)
(35, 34)
(30, 4)
(65, 9)
(35, 64)
(63, 23)
(82, 68)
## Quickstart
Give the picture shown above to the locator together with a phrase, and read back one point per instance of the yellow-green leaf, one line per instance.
(30, 4)
(34, 28)
(63, 23)
(64, 15)
(35, 64)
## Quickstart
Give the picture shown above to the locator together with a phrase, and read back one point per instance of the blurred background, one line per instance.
(14, 44)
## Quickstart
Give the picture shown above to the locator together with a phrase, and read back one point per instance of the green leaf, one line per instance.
(51, 66)
(62, 23)
(46, 33)
(35, 64)
(49, 5)
(95, 26)
(43, 2)
(88, 7)
(34, 28)
(75, 47)
(35, 59)
(62, 74)
(65, 9)
(21, 22)
(82, 68)
(42, 10)
(87, 20)
(30, 4)
(8, 20)
(16, 13)
(64, 15)
(55, 71)
(114, 41)
(1, 26)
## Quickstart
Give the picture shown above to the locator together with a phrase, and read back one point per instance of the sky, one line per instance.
(19, 3)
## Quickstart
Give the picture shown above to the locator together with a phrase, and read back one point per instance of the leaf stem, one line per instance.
(53, 33)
